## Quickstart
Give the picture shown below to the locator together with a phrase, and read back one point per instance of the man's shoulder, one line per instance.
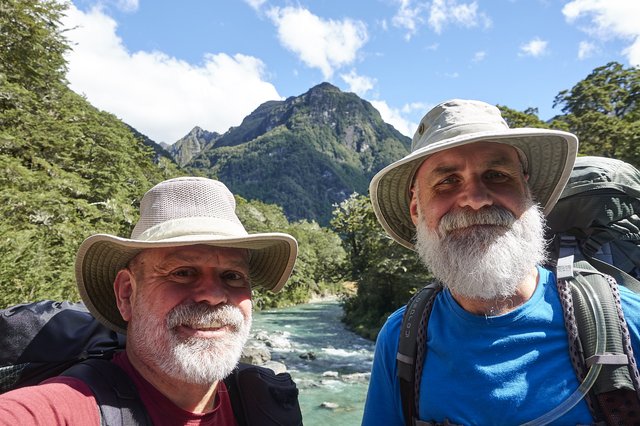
(394, 320)
(630, 304)
(58, 399)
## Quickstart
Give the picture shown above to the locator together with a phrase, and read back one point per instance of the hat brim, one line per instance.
(550, 155)
(101, 256)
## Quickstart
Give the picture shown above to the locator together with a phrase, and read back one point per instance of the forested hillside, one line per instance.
(68, 170)
(306, 153)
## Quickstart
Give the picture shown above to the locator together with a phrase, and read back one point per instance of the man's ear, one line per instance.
(123, 289)
(413, 205)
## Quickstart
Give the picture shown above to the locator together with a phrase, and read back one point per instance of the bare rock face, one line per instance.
(256, 353)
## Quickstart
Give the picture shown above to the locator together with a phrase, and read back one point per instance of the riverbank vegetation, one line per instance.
(68, 170)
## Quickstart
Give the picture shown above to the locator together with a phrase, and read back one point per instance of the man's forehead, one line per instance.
(489, 154)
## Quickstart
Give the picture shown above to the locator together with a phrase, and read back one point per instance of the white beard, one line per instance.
(194, 360)
(484, 254)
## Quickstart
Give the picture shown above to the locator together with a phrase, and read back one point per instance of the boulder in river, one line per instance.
(356, 377)
(329, 405)
(278, 341)
(308, 355)
(255, 353)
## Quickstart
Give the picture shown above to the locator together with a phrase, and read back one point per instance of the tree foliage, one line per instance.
(526, 118)
(67, 170)
(387, 273)
(32, 44)
(603, 110)
(320, 254)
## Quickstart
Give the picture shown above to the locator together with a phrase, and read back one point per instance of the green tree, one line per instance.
(32, 44)
(603, 110)
(528, 118)
(320, 254)
(67, 170)
(387, 274)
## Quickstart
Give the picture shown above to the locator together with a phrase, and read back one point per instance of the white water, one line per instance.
(333, 372)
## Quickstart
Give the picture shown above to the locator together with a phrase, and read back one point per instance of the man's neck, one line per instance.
(501, 305)
(188, 396)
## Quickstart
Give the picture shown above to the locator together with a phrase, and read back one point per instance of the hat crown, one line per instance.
(187, 206)
(455, 118)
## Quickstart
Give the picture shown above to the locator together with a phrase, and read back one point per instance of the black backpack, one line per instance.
(595, 244)
(45, 339)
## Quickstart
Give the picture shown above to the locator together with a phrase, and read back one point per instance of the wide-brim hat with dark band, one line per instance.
(547, 156)
(179, 212)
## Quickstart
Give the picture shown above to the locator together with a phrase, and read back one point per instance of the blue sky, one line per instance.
(166, 66)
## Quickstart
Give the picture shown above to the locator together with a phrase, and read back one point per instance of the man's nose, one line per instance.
(475, 195)
(211, 289)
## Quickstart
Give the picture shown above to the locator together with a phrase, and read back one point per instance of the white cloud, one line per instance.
(323, 44)
(359, 84)
(444, 12)
(479, 56)
(536, 48)
(255, 4)
(416, 106)
(161, 96)
(395, 117)
(127, 5)
(409, 17)
(122, 5)
(432, 47)
(586, 50)
(609, 19)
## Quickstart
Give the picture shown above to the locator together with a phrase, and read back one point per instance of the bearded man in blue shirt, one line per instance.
(470, 199)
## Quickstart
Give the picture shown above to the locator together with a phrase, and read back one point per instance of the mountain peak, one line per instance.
(324, 87)
(305, 153)
(189, 146)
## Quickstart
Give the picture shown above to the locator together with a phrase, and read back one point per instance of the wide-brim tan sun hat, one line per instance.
(547, 156)
(179, 212)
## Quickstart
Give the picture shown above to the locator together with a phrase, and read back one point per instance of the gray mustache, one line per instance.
(490, 215)
(203, 315)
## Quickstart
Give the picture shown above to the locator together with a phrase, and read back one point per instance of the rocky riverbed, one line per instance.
(330, 365)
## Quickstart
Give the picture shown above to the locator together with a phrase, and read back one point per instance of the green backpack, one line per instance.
(594, 231)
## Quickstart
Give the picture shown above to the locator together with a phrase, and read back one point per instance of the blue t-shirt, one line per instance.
(498, 370)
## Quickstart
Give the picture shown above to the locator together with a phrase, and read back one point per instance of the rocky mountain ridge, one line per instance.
(305, 153)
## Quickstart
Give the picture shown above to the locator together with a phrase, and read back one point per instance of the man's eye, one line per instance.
(449, 180)
(184, 273)
(236, 279)
(496, 176)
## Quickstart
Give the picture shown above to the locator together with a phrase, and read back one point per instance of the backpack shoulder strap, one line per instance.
(614, 392)
(261, 397)
(117, 396)
(409, 358)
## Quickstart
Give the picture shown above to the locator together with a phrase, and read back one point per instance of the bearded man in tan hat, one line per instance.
(180, 288)
(470, 199)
